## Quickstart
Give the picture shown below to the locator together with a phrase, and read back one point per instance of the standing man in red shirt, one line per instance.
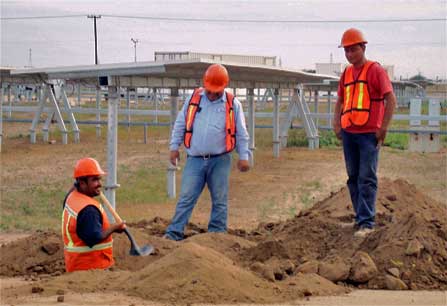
(362, 115)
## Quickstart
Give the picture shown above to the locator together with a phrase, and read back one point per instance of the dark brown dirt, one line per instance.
(259, 266)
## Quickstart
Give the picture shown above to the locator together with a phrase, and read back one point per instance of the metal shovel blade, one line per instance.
(135, 250)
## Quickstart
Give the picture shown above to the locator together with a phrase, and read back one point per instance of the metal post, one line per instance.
(1, 115)
(145, 134)
(128, 108)
(171, 170)
(156, 104)
(316, 106)
(174, 108)
(98, 112)
(10, 101)
(251, 122)
(276, 142)
(112, 143)
(79, 94)
(329, 108)
(171, 181)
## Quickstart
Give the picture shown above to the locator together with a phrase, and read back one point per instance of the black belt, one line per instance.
(208, 156)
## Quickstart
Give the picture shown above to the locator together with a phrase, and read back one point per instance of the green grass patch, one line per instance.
(144, 185)
(34, 208)
(397, 141)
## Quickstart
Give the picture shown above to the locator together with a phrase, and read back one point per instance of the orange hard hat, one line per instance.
(352, 37)
(216, 78)
(87, 167)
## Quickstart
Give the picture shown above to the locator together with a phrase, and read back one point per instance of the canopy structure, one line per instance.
(175, 74)
(184, 74)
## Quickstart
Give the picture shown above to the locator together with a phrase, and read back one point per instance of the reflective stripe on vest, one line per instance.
(356, 101)
(77, 255)
(230, 123)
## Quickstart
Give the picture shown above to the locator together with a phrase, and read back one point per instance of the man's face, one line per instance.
(92, 186)
(213, 96)
(354, 54)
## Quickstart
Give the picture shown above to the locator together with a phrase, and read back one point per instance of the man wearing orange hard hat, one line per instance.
(210, 126)
(86, 231)
(363, 112)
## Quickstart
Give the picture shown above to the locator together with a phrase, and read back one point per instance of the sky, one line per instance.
(300, 33)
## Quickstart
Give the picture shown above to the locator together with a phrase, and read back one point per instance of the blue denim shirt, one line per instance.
(209, 128)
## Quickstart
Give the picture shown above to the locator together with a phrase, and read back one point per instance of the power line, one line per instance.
(157, 18)
(41, 17)
(275, 21)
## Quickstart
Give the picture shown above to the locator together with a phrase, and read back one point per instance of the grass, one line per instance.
(143, 185)
(35, 208)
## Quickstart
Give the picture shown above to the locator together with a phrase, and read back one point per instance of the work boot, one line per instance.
(363, 232)
(167, 237)
(354, 225)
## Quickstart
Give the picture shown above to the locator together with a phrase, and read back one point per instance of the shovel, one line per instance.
(135, 250)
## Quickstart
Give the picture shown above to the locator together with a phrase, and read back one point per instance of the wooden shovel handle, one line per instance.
(109, 206)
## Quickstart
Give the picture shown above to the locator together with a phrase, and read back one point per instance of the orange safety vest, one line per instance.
(356, 101)
(230, 123)
(79, 256)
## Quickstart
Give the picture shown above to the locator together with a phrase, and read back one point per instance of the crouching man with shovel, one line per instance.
(86, 231)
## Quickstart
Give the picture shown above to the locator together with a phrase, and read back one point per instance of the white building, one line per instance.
(235, 58)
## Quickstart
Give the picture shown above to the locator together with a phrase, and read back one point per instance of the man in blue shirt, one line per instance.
(210, 125)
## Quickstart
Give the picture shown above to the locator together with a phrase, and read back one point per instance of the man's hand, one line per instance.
(380, 136)
(243, 165)
(174, 156)
(119, 227)
(337, 130)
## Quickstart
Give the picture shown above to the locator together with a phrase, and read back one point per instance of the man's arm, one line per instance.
(89, 226)
(242, 137)
(336, 120)
(178, 134)
(390, 105)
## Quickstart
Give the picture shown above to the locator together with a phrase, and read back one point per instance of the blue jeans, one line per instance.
(215, 172)
(361, 158)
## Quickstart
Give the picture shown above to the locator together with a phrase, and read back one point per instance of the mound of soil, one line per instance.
(410, 236)
(314, 253)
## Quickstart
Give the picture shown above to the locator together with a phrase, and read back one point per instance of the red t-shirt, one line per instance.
(378, 85)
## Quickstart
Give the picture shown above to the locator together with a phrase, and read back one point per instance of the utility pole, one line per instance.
(96, 36)
(30, 58)
(135, 41)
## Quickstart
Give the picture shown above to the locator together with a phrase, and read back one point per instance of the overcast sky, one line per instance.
(411, 46)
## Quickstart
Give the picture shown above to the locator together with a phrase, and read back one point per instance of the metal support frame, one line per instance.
(112, 143)
(171, 170)
(299, 108)
(251, 124)
(276, 142)
(55, 110)
(309, 124)
(74, 125)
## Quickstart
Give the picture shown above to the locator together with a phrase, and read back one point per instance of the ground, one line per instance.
(270, 196)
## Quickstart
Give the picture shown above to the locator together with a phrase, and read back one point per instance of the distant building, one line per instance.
(243, 59)
(335, 69)
(438, 90)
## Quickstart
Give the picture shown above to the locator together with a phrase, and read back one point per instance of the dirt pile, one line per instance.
(410, 239)
(282, 261)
